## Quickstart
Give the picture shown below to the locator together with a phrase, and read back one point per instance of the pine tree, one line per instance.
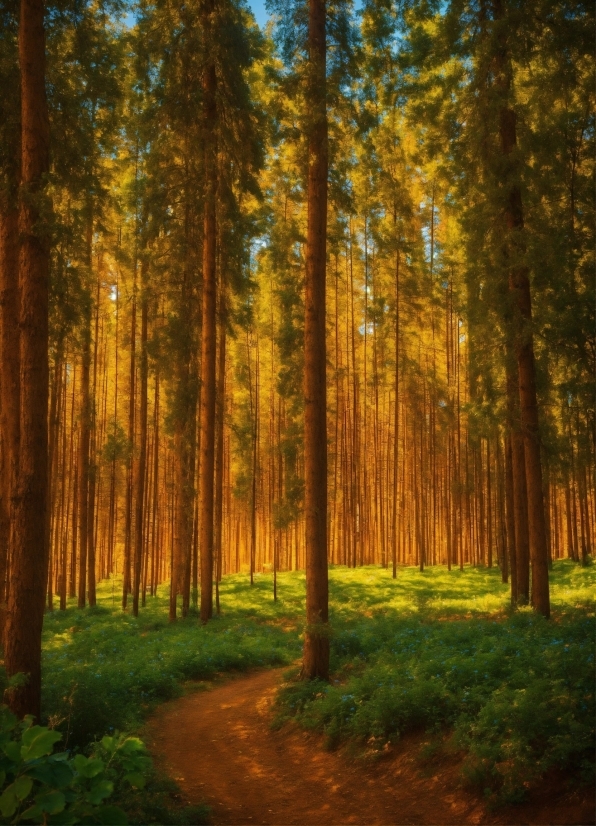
(29, 552)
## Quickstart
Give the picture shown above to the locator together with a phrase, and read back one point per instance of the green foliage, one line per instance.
(105, 671)
(39, 785)
(516, 690)
(437, 651)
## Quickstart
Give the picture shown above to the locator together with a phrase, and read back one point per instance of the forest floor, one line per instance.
(431, 672)
(221, 748)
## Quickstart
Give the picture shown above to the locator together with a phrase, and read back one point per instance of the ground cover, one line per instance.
(445, 654)
(438, 651)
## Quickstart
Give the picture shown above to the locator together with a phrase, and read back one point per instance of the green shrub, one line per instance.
(515, 690)
(40, 786)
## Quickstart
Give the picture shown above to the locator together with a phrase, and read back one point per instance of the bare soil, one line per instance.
(219, 747)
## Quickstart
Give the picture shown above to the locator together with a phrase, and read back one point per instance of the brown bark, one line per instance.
(219, 469)
(9, 382)
(84, 440)
(55, 415)
(30, 552)
(140, 464)
(520, 577)
(208, 334)
(396, 416)
(316, 639)
(519, 290)
(155, 555)
(93, 464)
(131, 445)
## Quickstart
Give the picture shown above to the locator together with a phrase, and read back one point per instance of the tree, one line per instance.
(10, 148)
(209, 326)
(315, 663)
(30, 549)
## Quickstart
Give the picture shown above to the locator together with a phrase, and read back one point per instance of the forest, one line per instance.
(297, 411)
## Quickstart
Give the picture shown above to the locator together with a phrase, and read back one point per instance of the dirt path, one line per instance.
(219, 747)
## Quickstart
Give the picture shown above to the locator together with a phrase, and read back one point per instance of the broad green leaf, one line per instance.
(22, 786)
(112, 815)
(132, 744)
(99, 791)
(51, 802)
(32, 813)
(8, 802)
(7, 719)
(60, 756)
(56, 774)
(79, 762)
(88, 767)
(65, 819)
(12, 751)
(38, 741)
(135, 779)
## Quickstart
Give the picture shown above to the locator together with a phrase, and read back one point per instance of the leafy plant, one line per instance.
(516, 692)
(40, 786)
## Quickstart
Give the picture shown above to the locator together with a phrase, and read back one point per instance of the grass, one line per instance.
(438, 651)
(444, 653)
(105, 670)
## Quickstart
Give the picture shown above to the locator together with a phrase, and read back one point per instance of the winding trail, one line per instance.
(218, 746)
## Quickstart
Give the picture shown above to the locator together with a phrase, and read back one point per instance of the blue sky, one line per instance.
(259, 11)
(257, 6)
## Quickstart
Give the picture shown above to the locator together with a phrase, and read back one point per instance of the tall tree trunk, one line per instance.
(54, 416)
(520, 553)
(139, 476)
(155, 556)
(84, 437)
(208, 331)
(93, 464)
(219, 469)
(9, 382)
(131, 445)
(30, 552)
(316, 639)
(396, 414)
(519, 289)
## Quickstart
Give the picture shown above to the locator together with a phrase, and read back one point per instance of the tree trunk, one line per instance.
(520, 554)
(131, 446)
(139, 476)
(9, 383)
(316, 639)
(93, 464)
(519, 290)
(208, 333)
(219, 471)
(396, 416)
(84, 438)
(30, 552)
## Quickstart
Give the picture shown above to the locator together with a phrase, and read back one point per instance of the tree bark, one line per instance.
(30, 552)
(84, 438)
(131, 446)
(208, 332)
(396, 416)
(520, 555)
(315, 662)
(219, 471)
(519, 290)
(139, 476)
(9, 383)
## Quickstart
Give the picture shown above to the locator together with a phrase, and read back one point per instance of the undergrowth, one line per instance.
(105, 670)
(515, 691)
(438, 651)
